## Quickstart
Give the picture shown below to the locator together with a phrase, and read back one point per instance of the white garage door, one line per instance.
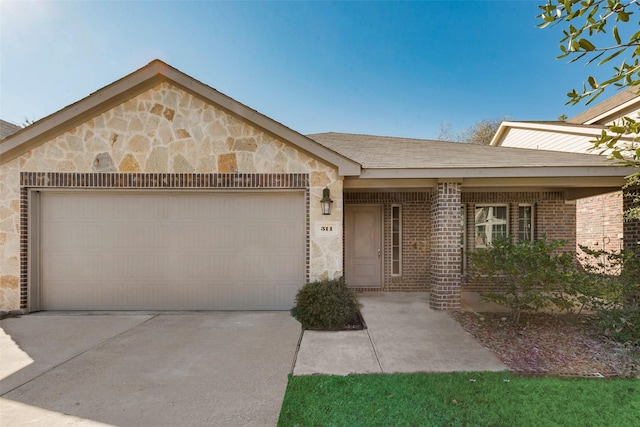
(171, 251)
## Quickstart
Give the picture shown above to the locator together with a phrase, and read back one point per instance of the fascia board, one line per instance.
(511, 172)
(71, 116)
(346, 167)
(141, 80)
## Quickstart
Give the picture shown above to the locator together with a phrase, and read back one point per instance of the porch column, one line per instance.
(445, 245)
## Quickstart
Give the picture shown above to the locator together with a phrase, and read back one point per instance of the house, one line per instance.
(599, 223)
(158, 192)
(7, 129)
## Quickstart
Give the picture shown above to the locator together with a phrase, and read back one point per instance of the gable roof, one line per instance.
(7, 129)
(610, 109)
(389, 157)
(141, 80)
(576, 134)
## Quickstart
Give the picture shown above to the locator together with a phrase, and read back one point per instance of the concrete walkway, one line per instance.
(404, 335)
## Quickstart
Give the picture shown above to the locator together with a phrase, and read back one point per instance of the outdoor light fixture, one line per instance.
(326, 202)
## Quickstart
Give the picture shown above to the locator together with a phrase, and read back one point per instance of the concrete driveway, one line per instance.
(187, 369)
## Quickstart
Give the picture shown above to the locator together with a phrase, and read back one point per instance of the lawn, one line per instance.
(459, 399)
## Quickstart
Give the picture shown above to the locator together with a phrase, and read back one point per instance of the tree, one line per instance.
(481, 132)
(584, 37)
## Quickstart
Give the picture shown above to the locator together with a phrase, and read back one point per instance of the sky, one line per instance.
(381, 68)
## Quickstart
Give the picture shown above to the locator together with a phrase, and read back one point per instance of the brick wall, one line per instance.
(599, 222)
(416, 237)
(631, 228)
(553, 217)
(429, 262)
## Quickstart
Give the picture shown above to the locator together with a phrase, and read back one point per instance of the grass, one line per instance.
(459, 399)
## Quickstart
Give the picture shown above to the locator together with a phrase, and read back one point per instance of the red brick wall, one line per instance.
(631, 228)
(416, 237)
(553, 217)
(599, 222)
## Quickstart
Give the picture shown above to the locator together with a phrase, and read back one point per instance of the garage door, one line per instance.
(171, 251)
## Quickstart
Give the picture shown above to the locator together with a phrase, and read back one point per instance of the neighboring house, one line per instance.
(599, 223)
(7, 129)
(158, 192)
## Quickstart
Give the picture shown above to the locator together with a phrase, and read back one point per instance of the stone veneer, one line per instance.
(165, 130)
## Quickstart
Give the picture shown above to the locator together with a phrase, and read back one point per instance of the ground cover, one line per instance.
(459, 399)
(552, 344)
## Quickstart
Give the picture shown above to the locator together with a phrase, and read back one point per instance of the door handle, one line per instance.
(379, 252)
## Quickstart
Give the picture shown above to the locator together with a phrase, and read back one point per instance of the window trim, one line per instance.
(532, 219)
(475, 224)
(399, 233)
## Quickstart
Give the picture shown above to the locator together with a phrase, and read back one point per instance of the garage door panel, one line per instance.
(129, 251)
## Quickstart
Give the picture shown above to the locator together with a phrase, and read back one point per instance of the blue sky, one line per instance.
(383, 68)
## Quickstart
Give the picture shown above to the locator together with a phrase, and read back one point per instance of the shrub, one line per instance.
(621, 324)
(325, 304)
(616, 277)
(527, 275)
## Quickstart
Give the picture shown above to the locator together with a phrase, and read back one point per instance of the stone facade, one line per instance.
(165, 130)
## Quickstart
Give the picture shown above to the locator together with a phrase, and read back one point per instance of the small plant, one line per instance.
(526, 276)
(326, 304)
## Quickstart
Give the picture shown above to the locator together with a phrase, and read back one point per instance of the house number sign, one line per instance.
(327, 229)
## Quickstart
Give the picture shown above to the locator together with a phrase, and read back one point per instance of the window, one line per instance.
(396, 241)
(490, 223)
(525, 223)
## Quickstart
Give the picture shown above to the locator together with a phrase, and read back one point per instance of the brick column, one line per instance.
(445, 247)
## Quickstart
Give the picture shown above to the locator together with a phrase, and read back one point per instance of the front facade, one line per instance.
(599, 224)
(159, 193)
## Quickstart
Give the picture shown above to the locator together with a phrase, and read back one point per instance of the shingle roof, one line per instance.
(608, 104)
(383, 152)
(7, 129)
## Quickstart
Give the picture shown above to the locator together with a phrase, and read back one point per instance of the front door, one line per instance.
(363, 257)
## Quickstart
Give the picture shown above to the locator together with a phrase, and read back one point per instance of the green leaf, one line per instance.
(616, 35)
(586, 45)
(610, 57)
(592, 82)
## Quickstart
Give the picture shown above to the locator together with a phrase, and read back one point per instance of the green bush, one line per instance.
(527, 275)
(325, 304)
(621, 324)
(616, 278)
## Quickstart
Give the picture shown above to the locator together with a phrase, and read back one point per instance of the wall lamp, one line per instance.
(326, 202)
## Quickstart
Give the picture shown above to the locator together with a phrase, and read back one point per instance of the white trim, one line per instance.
(532, 219)
(475, 224)
(400, 240)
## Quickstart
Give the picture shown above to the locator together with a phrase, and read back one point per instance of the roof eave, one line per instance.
(142, 80)
(498, 172)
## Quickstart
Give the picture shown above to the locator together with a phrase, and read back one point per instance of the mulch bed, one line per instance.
(552, 345)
